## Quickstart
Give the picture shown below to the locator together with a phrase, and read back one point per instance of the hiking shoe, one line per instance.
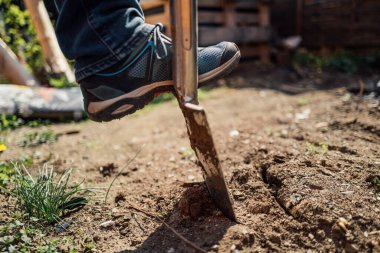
(131, 84)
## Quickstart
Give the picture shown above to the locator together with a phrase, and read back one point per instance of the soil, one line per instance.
(300, 168)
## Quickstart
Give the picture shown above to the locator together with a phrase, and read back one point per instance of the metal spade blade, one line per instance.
(184, 31)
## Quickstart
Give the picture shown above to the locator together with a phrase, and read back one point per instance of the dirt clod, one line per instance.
(108, 169)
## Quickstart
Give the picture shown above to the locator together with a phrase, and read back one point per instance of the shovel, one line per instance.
(184, 20)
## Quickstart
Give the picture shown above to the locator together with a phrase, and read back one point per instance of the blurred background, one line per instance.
(288, 45)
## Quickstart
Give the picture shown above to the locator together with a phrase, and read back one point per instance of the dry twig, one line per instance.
(157, 218)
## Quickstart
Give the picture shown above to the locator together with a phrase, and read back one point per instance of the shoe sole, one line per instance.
(129, 103)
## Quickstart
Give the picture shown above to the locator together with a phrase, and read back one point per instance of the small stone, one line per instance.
(107, 224)
(284, 133)
(262, 94)
(351, 248)
(171, 250)
(246, 142)
(62, 226)
(295, 199)
(321, 234)
(116, 213)
(234, 133)
(302, 115)
(311, 236)
(321, 125)
(343, 224)
(215, 246)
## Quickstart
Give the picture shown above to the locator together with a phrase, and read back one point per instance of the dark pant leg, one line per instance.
(99, 33)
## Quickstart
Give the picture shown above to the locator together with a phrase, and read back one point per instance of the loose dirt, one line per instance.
(300, 167)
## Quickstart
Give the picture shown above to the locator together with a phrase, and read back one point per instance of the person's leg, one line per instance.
(99, 33)
(121, 62)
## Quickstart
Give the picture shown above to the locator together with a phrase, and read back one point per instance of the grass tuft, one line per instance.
(47, 196)
(38, 138)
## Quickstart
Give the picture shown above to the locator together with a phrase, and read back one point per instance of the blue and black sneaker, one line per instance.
(133, 83)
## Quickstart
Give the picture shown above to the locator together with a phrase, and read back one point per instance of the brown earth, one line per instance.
(300, 168)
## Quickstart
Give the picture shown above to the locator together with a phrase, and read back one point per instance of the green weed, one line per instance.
(303, 101)
(376, 183)
(60, 82)
(313, 149)
(47, 196)
(343, 61)
(10, 122)
(38, 138)
(18, 236)
(7, 171)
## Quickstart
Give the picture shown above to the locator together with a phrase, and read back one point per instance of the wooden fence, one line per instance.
(245, 22)
(330, 24)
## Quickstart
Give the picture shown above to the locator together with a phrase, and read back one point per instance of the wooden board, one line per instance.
(242, 21)
(341, 23)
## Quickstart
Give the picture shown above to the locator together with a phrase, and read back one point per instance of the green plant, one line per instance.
(321, 148)
(342, 61)
(303, 101)
(7, 171)
(19, 236)
(376, 183)
(47, 196)
(10, 122)
(38, 138)
(60, 82)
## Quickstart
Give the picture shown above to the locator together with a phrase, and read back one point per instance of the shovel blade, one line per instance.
(202, 142)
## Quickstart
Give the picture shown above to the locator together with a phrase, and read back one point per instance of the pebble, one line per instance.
(234, 133)
(215, 246)
(295, 198)
(348, 192)
(107, 224)
(116, 213)
(262, 94)
(246, 142)
(321, 125)
(62, 227)
(171, 250)
(303, 115)
(343, 223)
(284, 133)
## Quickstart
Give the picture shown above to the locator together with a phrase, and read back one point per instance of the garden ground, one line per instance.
(304, 171)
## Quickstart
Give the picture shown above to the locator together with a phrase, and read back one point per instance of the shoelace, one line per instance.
(159, 39)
